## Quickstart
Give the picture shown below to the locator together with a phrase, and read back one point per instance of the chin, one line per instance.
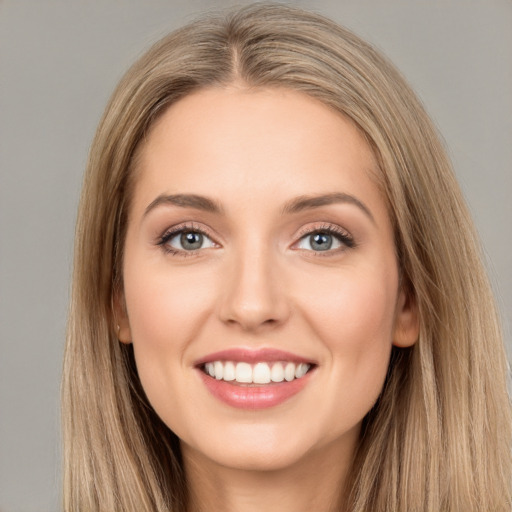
(262, 448)
(257, 459)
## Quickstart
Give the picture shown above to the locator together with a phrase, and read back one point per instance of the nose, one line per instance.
(253, 293)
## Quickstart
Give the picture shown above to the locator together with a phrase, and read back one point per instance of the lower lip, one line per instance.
(253, 397)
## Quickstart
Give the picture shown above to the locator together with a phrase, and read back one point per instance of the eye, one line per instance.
(185, 240)
(325, 239)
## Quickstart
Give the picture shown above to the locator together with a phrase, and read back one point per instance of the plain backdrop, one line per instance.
(59, 62)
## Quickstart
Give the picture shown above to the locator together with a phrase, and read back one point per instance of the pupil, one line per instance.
(321, 242)
(191, 240)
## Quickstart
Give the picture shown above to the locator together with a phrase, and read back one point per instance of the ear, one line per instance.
(121, 322)
(407, 322)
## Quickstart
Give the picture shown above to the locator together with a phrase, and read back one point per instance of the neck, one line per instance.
(315, 483)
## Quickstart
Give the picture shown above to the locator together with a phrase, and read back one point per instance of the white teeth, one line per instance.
(259, 373)
(289, 372)
(210, 369)
(229, 371)
(301, 370)
(218, 368)
(243, 373)
(277, 373)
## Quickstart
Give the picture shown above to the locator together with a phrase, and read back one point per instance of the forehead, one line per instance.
(240, 143)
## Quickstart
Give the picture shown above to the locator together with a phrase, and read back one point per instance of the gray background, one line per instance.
(59, 61)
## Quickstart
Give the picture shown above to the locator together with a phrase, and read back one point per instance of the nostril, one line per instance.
(251, 298)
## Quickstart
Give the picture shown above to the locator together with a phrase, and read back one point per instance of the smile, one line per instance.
(255, 379)
(259, 373)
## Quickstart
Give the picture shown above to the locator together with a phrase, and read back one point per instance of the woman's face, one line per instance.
(260, 278)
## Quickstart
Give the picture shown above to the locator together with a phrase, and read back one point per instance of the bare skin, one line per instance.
(255, 226)
(321, 480)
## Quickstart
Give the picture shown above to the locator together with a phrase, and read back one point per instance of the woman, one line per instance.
(278, 301)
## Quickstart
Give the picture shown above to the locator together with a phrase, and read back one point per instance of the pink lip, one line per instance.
(253, 356)
(253, 397)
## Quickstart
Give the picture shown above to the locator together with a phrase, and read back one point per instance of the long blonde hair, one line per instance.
(439, 437)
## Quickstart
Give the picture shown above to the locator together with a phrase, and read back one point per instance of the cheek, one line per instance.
(166, 311)
(165, 308)
(352, 309)
(353, 315)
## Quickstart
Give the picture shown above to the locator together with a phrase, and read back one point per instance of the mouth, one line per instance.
(248, 379)
(262, 372)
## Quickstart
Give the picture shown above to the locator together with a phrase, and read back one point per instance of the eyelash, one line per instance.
(171, 233)
(330, 229)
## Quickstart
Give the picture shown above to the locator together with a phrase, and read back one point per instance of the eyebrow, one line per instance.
(186, 201)
(307, 202)
(296, 205)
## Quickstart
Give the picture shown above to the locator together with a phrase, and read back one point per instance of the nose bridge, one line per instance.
(253, 293)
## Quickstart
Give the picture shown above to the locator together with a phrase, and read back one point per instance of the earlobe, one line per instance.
(122, 324)
(123, 333)
(407, 322)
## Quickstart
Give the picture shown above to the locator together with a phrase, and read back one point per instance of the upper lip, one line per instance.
(248, 355)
